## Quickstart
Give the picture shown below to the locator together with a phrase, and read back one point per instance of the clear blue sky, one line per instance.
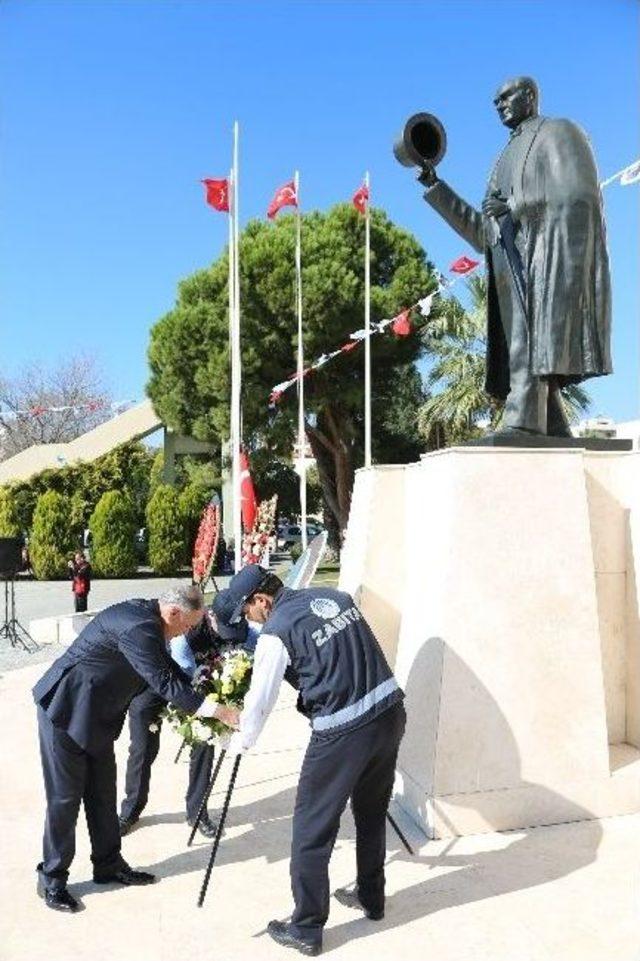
(112, 111)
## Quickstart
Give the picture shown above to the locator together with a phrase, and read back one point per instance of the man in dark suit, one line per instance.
(145, 723)
(82, 703)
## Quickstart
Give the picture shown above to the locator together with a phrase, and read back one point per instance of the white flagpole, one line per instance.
(301, 430)
(367, 328)
(236, 372)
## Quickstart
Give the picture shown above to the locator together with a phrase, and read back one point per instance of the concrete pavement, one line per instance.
(563, 893)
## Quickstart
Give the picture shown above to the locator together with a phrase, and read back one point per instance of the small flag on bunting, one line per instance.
(463, 265)
(360, 198)
(424, 305)
(401, 325)
(285, 196)
(630, 174)
(217, 193)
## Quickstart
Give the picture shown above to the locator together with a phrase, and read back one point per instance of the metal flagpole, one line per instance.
(301, 431)
(236, 372)
(367, 328)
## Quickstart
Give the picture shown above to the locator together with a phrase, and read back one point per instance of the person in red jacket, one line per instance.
(80, 574)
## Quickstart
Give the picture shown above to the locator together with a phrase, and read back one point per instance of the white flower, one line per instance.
(201, 731)
(154, 728)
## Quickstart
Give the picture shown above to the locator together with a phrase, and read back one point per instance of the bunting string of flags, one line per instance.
(118, 407)
(217, 193)
(401, 324)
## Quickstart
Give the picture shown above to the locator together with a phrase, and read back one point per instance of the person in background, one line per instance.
(80, 574)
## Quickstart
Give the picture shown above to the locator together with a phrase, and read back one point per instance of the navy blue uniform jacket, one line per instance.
(87, 691)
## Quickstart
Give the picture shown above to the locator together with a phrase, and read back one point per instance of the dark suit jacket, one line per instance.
(87, 691)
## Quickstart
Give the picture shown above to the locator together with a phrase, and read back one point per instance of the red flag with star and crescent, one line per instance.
(463, 265)
(284, 196)
(360, 199)
(217, 195)
(248, 499)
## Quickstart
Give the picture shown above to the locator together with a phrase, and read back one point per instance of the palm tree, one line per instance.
(458, 407)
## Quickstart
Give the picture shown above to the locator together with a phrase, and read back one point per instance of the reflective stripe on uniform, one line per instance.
(326, 721)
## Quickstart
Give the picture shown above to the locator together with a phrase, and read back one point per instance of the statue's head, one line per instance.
(517, 100)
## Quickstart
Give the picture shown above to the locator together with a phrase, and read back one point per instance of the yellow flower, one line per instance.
(227, 688)
(212, 697)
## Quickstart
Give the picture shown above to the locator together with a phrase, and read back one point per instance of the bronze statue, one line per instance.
(542, 233)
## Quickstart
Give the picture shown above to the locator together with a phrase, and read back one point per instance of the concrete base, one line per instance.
(509, 610)
(62, 629)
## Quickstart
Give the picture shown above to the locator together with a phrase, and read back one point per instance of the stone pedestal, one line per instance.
(502, 584)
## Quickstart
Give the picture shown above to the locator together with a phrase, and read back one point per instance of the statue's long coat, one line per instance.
(556, 206)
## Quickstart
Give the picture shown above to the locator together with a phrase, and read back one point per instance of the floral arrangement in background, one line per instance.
(206, 545)
(223, 678)
(255, 543)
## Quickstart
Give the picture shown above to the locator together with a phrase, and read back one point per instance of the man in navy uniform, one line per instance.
(82, 703)
(357, 718)
(145, 723)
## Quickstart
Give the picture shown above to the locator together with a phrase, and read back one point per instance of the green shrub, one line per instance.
(113, 529)
(51, 541)
(192, 500)
(296, 551)
(166, 531)
(9, 521)
(125, 468)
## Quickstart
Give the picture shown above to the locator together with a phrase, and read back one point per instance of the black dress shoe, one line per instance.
(349, 897)
(126, 876)
(58, 899)
(280, 931)
(126, 825)
(207, 827)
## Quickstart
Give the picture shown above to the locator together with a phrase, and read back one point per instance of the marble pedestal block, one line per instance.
(503, 585)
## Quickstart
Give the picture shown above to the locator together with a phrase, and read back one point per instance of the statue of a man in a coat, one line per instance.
(542, 233)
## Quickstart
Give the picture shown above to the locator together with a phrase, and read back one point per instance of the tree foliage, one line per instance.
(167, 542)
(126, 469)
(51, 538)
(9, 522)
(113, 529)
(188, 352)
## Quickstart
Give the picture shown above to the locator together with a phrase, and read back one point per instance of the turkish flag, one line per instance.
(217, 193)
(360, 198)
(463, 265)
(402, 325)
(284, 197)
(248, 500)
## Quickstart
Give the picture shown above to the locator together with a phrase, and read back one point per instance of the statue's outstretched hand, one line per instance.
(495, 206)
(427, 176)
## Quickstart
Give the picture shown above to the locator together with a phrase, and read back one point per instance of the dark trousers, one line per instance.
(359, 765)
(71, 776)
(144, 711)
(81, 602)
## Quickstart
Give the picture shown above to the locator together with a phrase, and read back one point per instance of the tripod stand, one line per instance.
(12, 628)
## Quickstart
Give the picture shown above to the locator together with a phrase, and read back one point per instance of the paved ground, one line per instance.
(564, 893)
